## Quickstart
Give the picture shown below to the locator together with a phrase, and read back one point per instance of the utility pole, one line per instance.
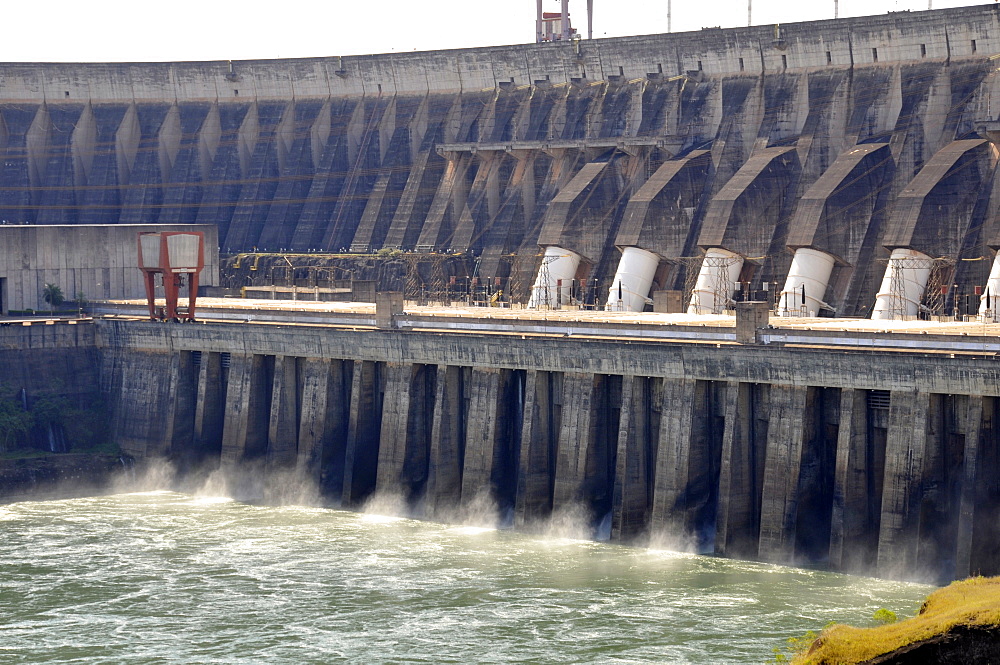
(836, 8)
(538, 21)
(668, 16)
(565, 20)
(749, 12)
(590, 19)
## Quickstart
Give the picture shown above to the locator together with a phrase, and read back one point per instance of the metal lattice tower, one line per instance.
(720, 288)
(897, 284)
(544, 291)
(720, 285)
(897, 290)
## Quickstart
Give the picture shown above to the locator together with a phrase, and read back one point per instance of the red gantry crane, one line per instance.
(172, 254)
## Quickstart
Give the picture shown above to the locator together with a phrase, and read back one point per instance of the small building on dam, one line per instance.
(835, 182)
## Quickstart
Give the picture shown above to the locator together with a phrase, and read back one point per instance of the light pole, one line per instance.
(538, 22)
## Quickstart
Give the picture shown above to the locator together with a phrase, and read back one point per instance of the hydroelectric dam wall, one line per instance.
(870, 461)
(852, 137)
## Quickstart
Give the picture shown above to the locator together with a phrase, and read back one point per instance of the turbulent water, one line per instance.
(163, 577)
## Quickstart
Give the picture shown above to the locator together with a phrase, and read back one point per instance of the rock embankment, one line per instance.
(60, 475)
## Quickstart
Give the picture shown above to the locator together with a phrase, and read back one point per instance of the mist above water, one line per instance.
(197, 577)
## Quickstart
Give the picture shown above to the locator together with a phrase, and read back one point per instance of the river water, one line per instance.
(163, 577)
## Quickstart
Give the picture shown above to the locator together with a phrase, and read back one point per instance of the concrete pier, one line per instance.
(868, 460)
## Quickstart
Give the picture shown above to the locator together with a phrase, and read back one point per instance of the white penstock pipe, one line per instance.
(989, 302)
(903, 285)
(716, 281)
(555, 279)
(630, 289)
(806, 283)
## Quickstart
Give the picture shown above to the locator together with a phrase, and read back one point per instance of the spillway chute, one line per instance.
(554, 282)
(629, 290)
(806, 283)
(903, 285)
(720, 270)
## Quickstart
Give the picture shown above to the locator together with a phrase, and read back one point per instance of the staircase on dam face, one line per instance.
(867, 462)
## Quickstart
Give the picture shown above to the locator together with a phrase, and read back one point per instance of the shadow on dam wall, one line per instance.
(496, 153)
(851, 138)
(781, 455)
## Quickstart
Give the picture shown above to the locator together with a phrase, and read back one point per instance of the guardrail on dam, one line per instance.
(839, 141)
(873, 461)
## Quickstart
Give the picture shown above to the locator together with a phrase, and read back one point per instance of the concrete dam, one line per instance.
(870, 451)
(816, 171)
(792, 160)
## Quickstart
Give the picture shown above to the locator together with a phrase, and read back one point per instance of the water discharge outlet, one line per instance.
(989, 302)
(629, 291)
(903, 285)
(806, 284)
(553, 285)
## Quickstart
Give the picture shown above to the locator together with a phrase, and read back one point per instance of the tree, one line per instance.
(53, 295)
(15, 422)
(49, 409)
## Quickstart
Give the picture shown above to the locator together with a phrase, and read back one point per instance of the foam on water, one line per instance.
(471, 530)
(210, 500)
(192, 579)
(374, 518)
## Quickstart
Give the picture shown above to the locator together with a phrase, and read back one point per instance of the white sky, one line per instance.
(145, 31)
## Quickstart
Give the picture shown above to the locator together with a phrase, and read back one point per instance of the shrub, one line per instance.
(884, 617)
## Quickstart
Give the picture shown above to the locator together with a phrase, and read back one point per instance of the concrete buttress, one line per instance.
(404, 443)
(636, 448)
(903, 483)
(447, 444)
(687, 463)
(364, 424)
(283, 430)
(970, 482)
(484, 445)
(395, 418)
(323, 424)
(536, 470)
(146, 431)
(577, 433)
(209, 414)
(313, 426)
(789, 421)
(741, 470)
(679, 461)
(854, 527)
(248, 410)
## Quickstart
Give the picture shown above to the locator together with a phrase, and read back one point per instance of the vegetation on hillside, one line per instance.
(974, 602)
(79, 421)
